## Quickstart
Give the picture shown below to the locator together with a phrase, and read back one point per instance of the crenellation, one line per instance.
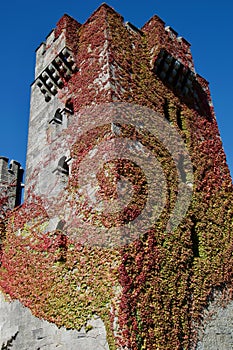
(165, 37)
(154, 21)
(45, 54)
(100, 12)
(184, 41)
(40, 50)
(133, 28)
(50, 38)
(172, 33)
(68, 25)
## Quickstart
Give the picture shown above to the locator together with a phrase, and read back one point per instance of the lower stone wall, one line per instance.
(20, 330)
(217, 333)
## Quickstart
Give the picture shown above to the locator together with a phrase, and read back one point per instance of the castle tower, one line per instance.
(153, 291)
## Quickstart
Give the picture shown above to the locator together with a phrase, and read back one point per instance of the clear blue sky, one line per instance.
(24, 24)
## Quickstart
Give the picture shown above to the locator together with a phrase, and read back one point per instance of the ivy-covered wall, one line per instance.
(150, 292)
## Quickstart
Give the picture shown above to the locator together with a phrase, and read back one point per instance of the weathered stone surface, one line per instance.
(20, 330)
(218, 328)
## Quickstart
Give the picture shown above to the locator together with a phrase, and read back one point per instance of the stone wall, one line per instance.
(20, 330)
(217, 332)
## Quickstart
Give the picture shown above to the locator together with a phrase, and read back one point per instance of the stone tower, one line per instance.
(161, 289)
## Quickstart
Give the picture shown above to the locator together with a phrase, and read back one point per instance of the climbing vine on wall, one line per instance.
(151, 291)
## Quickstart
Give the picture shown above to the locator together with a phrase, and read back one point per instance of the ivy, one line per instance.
(151, 292)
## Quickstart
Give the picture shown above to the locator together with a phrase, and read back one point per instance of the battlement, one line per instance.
(67, 28)
(55, 42)
(161, 36)
(11, 177)
(48, 50)
(71, 47)
(100, 61)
